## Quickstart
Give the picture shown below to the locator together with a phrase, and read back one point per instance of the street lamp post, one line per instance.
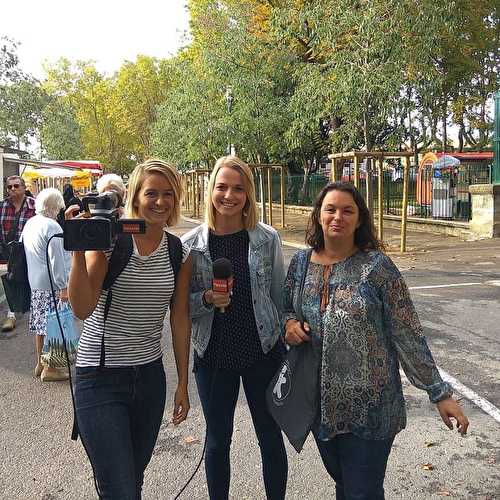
(229, 102)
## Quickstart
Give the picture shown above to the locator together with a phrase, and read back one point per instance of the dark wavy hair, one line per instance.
(364, 237)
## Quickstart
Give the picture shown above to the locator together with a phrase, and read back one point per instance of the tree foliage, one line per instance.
(283, 81)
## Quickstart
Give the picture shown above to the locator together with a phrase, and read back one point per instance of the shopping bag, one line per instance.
(53, 354)
(293, 394)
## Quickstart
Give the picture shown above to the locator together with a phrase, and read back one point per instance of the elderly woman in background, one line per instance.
(112, 182)
(36, 234)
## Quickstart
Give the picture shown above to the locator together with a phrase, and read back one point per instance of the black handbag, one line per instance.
(293, 394)
(15, 282)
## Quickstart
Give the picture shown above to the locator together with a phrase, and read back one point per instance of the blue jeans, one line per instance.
(357, 465)
(119, 412)
(219, 408)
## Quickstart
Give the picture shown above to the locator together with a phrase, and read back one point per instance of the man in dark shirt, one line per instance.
(17, 206)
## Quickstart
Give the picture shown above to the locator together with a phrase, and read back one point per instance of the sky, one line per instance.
(106, 31)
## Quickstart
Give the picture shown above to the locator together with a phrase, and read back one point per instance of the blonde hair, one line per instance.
(154, 166)
(250, 208)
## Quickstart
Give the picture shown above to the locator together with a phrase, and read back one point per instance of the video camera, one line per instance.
(99, 227)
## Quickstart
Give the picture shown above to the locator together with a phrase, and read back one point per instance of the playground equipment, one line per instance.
(443, 182)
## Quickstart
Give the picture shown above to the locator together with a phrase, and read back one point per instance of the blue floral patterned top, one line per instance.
(369, 326)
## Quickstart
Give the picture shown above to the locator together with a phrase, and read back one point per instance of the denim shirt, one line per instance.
(369, 328)
(267, 274)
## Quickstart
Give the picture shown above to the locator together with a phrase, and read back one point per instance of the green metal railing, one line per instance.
(456, 207)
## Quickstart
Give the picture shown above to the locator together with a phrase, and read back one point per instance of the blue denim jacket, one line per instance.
(267, 274)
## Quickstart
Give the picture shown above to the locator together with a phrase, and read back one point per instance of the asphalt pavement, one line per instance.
(456, 288)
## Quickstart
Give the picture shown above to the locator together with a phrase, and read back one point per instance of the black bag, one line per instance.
(15, 282)
(10, 237)
(293, 394)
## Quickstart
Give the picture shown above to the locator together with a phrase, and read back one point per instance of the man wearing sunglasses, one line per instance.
(15, 210)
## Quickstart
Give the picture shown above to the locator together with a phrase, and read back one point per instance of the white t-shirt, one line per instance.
(141, 298)
(35, 235)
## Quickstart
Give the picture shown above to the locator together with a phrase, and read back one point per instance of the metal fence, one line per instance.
(444, 197)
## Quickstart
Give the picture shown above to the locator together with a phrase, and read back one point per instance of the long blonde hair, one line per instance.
(250, 208)
(154, 166)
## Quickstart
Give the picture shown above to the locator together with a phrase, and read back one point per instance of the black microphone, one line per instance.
(223, 277)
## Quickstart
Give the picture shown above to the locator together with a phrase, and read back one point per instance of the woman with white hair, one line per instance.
(36, 234)
(112, 182)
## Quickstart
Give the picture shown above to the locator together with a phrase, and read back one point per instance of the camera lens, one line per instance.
(91, 232)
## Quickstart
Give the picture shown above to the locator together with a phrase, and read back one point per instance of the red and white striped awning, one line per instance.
(94, 167)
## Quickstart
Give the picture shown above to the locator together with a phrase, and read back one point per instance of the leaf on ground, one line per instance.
(428, 466)
(191, 440)
(443, 493)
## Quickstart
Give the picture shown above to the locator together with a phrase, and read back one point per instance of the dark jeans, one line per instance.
(219, 416)
(357, 465)
(119, 412)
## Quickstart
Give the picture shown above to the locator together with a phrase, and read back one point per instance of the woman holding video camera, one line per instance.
(120, 381)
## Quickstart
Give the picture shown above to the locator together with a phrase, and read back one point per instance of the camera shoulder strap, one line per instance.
(119, 259)
(120, 256)
(174, 253)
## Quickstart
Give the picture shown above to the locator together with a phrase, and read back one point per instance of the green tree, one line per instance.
(21, 99)
(140, 87)
(21, 106)
(9, 61)
(89, 96)
(190, 129)
(60, 132)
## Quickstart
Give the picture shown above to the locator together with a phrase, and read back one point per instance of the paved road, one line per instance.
(38, 460)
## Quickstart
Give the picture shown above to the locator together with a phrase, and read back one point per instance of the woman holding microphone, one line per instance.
(236, 336)
(120, 382)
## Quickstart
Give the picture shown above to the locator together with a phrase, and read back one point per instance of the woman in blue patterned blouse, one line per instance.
(358, 311)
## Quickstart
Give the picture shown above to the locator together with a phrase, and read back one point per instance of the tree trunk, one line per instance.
(445, 126)
(461, 137)
(368, 164)
(433, 125)
(482, 130)
(303, 189)
(339, 169)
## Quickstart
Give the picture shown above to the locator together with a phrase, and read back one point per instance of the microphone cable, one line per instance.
(54, 298)
(212, 387)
